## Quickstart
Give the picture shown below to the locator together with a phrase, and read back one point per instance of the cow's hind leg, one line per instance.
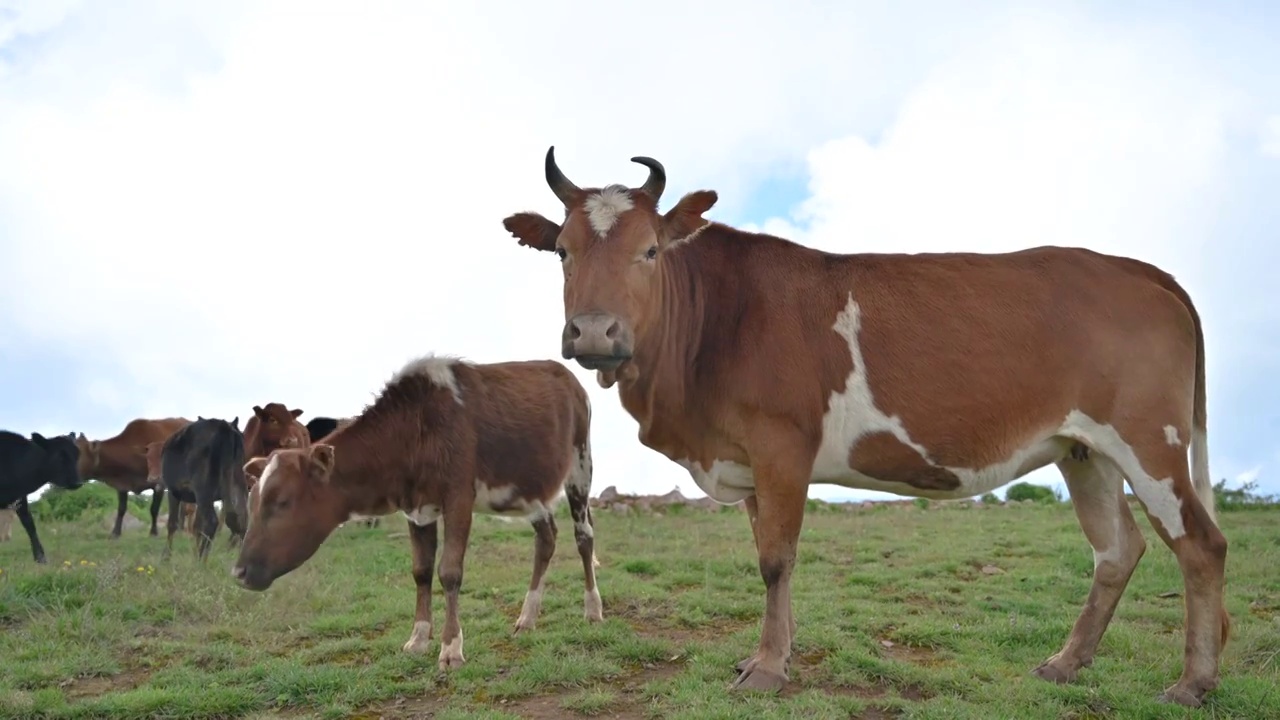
(544, 546)
(578, 493)
(1097, 493)
(1157, 472)
(175, 513)
(423, 538)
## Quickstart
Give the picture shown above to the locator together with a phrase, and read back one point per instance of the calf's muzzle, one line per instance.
(598, 341)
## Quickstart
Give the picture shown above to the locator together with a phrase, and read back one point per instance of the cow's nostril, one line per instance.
(237, 572)
(575, 332)
(612, 332)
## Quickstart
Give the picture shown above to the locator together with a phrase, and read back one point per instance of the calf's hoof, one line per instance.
(451, 656)
(755, 676)
(420, 639)
(1188, 694)
(40, 559)
(1056, 671)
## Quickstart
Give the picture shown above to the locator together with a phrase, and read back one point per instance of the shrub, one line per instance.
(990, 499)
(59, 504)
(1034, 493)
(1244, 497)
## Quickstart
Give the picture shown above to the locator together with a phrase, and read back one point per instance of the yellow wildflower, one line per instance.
(141, 569)
(84, 562)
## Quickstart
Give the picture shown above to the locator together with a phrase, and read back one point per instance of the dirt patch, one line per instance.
(82, 687)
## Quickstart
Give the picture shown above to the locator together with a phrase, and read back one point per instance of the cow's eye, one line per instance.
(560, 253)
(653, 253)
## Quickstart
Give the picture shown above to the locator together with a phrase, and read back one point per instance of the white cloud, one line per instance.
(186, 209)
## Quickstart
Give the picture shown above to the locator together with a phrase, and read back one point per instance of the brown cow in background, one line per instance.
(272, 427)
(120, 462)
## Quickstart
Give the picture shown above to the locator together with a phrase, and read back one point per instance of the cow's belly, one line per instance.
(729, 482)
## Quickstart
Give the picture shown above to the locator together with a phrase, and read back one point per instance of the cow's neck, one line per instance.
(118, 460)
(661, 397)
(368, 455)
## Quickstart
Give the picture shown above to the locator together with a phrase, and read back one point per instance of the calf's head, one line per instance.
(60, 464)
(153, 452)
(293, 507)
(610, 247)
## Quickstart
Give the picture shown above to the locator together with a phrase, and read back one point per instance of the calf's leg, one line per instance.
(423, 540)
(29, 524)
(578, 492)
(175, 511)
(1097, 494)
(544, 546)
(457, 531)
(157, 494)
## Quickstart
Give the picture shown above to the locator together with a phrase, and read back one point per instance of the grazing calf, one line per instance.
(203, 463)
(445, 438)
(120, 462)
(761, 366)
(271, 427)
(26, 465)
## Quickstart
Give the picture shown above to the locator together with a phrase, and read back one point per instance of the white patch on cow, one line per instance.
(604, 207)
(1171, 435)
(852, 415)
(420, 639)
(437, 368)
(357, 517)
(579, 480)
(592, 607)
(725, 482)
(502, 500)
(1156, 495)
(532, 606)
(268, 472)
(424, 515)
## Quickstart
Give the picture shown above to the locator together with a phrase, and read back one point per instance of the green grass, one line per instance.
(897, 619)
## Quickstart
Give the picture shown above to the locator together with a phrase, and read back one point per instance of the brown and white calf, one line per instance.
(761, 366)
(445, 438)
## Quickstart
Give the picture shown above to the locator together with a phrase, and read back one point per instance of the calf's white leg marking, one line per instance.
(451, 653)
(420, 639)
(528, 619)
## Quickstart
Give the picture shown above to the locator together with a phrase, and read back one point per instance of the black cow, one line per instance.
(203, 463)
(321, 426)
(26, 465)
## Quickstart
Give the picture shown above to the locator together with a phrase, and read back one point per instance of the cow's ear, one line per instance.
(322, 458)
(257, 411)
(685, 218)
(295, 413)
(253, 470)
(37, 438)
(533, 230)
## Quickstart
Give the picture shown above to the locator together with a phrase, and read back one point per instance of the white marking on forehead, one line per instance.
(1171, 435)
(273, 466)
(437, 368)
(604, 207)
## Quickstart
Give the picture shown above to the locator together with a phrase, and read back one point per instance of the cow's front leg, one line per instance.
(423, 539)
(781, 464)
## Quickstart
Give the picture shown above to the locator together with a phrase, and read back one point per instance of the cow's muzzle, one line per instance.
(598, 341)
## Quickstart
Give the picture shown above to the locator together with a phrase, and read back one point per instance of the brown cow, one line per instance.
(271, 427)
(761, 366)
(121, 462)
(445, 438)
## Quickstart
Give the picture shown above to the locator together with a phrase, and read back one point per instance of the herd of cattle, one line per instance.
(760, 366)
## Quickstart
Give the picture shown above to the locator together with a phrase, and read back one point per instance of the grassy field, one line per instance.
(904, 612)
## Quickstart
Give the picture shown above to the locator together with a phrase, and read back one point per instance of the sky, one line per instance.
(210, 206)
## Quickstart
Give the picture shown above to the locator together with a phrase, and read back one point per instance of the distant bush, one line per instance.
(990, 499)
(1244, 497)
(63, 505)
(922, 503)
(1034, 493)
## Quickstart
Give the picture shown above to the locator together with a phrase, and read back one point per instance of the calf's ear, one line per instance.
(322, 457)
(533, 230)
(295, 413)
